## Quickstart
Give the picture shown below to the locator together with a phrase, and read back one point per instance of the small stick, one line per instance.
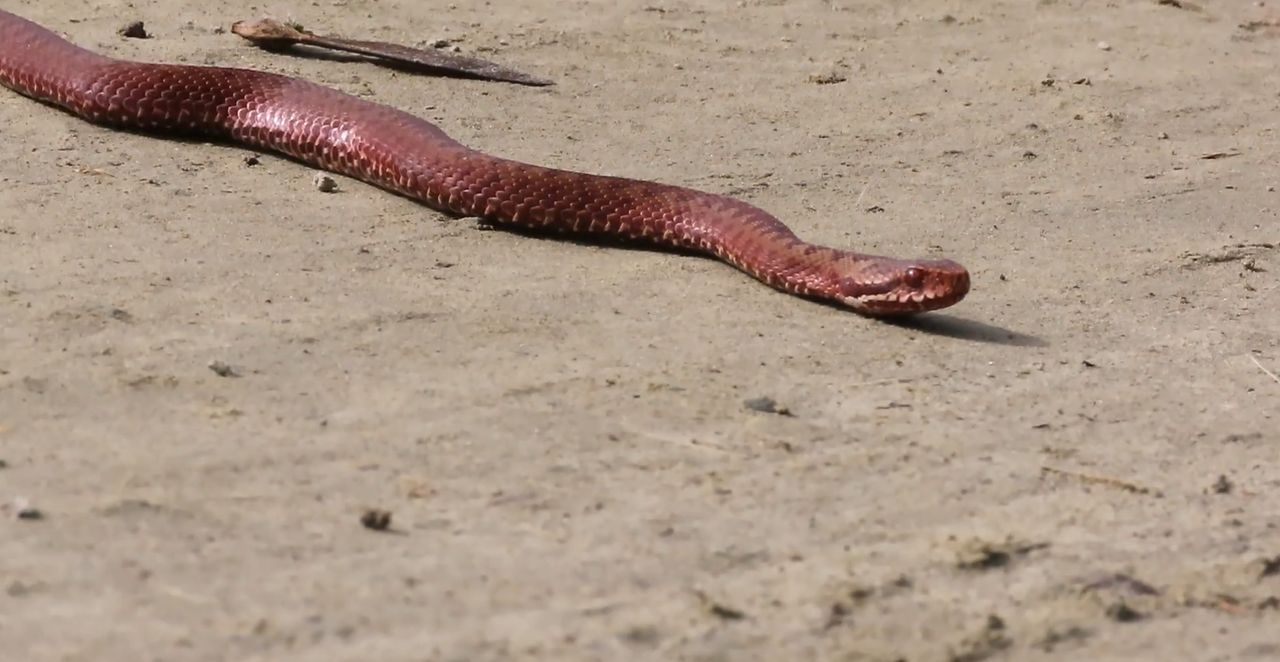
(862, 193)
(1101, 480)
(1264, 369)
(274, 35)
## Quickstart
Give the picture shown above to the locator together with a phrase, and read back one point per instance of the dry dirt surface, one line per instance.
(210, 371)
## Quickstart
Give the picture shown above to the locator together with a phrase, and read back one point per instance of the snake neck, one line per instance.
(758, 243)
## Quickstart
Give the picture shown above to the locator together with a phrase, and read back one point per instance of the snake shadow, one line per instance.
(952, 326)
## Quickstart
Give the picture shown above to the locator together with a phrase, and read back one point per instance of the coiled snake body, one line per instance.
(411, 156)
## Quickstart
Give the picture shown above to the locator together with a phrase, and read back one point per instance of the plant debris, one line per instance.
(1104, 481)
(1124, 583)
(274, 35)
(719, 609)
(983, 555)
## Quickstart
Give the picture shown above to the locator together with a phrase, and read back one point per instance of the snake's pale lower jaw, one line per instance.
(896, 304)
(879, 307)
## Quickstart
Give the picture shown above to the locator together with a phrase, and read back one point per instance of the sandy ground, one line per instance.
(1077, 462)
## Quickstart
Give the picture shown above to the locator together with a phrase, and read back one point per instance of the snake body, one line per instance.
(411, 156)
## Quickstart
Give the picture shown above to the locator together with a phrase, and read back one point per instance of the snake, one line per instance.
(405, 154)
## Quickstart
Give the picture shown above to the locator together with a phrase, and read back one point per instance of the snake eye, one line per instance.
(913, 277)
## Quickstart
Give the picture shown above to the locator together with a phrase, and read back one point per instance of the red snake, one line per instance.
(397, 151)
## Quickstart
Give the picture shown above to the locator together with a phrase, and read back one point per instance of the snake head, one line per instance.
(886, 287)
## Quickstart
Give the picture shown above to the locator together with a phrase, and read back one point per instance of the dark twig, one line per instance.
(274, 35)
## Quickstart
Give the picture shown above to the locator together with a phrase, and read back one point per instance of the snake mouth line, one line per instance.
(892, 303)
(870, 301)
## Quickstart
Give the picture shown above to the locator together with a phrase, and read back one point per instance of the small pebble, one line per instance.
(1162, 136)
(1123, 613)
(766, 405)
(223, 369)
(324, 183)
(1104, 46)
(376, 520)
(134, 30)
(22, 509)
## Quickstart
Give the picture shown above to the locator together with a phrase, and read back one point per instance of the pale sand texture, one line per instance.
(559, 430)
